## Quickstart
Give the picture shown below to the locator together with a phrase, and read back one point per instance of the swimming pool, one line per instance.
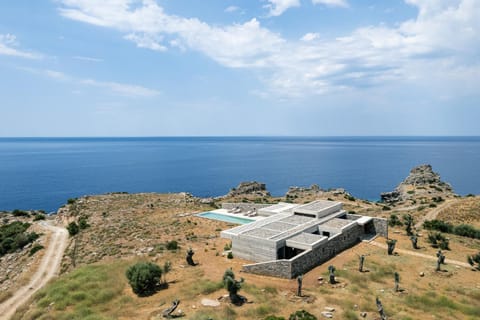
(223, 217)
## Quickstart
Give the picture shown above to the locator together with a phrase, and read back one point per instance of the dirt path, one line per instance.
(421, 255)
(48, 268)
(434, 213)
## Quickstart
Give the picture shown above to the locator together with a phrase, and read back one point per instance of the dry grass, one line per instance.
(130, 225)
(466, 210)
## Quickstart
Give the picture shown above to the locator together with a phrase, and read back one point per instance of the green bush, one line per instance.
(464, 230)
(20, 213)
(438, 240)
(172, 245)
(394, 221)
(274, 318)
(73, 228)
(144, 277)
(438, 225)
(82, 223)
(230, 255)
(35, 248)
(39, 216)
(13, 236)
(302, 315)
(71, 200)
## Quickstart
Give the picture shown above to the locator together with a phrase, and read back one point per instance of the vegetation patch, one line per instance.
(463, 230)
(89, 292)
(13, 236)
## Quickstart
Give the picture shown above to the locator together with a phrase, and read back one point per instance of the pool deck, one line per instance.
(237, 215)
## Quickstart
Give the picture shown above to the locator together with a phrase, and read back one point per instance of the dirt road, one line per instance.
(431, 215)
(48, 268)
(421, 255)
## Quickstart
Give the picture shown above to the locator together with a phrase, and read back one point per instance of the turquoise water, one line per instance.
(222, 217)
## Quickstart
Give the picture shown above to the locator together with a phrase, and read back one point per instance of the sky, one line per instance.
(81, 68)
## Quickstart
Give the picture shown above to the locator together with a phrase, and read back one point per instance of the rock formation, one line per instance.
(422, 180)
(249, 188)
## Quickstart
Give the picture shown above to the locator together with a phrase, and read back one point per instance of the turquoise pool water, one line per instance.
(223, 217)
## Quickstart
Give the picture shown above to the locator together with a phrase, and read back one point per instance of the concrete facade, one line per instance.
(294, 241)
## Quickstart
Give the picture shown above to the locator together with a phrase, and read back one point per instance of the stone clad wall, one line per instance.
(277, 268)
(254, 249)
(336, 244)
(381, 226)
(309, 259)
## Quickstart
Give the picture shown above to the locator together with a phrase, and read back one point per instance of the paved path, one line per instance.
(421, 255)
(48, 268)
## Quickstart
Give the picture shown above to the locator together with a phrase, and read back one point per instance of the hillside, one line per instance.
(125, 228)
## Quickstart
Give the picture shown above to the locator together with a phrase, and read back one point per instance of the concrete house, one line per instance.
(294, 239)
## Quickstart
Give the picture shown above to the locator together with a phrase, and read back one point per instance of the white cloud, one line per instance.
(278, 7)
(147, 41)
(445, 36)
(8, 42)
(230, 9)
(128, 90)
(88, 59)
(310, 36)
(121, 88)
(332, 3)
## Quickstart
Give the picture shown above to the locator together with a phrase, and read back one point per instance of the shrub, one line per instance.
(230, 255)
(172, 245)
(438, 225)
(13, 236)
(71, 200)
(35, 248)
(438, 240)
(20, 213)
(274, 318)
(144, 278)
(73, 228)
(39, 216)
(394, 221)
(466, 230)
(386, 208)
(82, 223)
(302, 315)
(349, 197)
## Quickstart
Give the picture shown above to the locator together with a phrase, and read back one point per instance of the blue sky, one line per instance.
(265, 67)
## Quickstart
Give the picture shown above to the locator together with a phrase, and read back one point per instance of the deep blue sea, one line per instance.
(42, 173)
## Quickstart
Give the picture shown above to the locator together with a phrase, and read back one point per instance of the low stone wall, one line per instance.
(276, 268)
(245, 206)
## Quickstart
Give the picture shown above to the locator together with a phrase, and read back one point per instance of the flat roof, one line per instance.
(337, 223)
(316, 206)
(307, 238)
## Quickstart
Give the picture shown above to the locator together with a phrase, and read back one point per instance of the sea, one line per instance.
(42, 173)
